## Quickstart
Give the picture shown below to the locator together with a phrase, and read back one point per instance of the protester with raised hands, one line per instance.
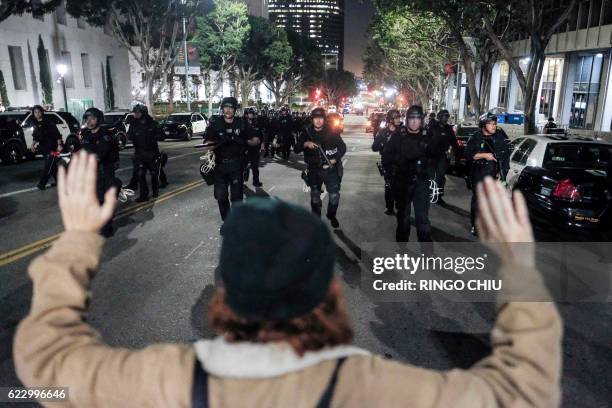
(283, 328)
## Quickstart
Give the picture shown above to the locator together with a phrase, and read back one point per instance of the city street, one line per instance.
(158, 270)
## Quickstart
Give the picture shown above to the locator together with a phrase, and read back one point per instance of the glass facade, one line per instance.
(550, 76)
(504, 84)
(585, 94)
(321, 20)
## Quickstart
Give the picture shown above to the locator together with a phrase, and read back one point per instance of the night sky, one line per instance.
(356, 20)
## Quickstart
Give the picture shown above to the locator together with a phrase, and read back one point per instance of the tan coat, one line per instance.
(54, 346)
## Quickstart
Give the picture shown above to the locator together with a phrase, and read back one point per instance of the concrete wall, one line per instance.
(23, 30)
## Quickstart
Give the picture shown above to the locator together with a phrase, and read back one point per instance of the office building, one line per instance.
(321, 20)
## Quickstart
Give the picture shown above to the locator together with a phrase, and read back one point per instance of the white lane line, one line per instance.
(271, 189)
(193, 250)
(28, 190)
(353, 148)
(344, 162)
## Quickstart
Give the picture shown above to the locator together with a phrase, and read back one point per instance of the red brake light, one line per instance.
(460, 142)
(566, 190)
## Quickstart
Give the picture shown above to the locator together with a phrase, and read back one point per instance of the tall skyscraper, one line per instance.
(258, 8)
(321, 20)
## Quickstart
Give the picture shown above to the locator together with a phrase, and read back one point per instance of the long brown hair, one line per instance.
(327, 325)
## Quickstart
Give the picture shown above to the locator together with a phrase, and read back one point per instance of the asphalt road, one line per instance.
(158, 270)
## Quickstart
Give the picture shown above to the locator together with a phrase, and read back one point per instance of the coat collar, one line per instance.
(255, 361)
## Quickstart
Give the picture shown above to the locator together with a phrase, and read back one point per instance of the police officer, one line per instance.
(263, 122)
(284, 133)
(550, 124)
(230, 136)
(323, 152)
(445, 138)
(488, 154)
(144, 133)
(253, 147)
(394, 124)
(431, 121)
(48, 142)
(411, 159)
(98, 141)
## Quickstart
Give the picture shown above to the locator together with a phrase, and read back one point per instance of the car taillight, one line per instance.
(368, 123)
(566, 190)
(460, 142)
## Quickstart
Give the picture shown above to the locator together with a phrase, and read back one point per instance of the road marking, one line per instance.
(271, 189)
(29, 249)
(344, 162)
(193, 250)
(28, 190)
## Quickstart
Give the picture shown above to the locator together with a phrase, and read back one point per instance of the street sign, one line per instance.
(192, 70)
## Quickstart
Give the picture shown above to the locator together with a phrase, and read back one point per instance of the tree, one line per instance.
(461, 29)
(4, 100)
(148, 29)
(220, 37)
(537, 20)
(110, 92)
(265, 48)
(46, 83)
(19, 7)
(408, 51)
(337, 85)
(304, 67)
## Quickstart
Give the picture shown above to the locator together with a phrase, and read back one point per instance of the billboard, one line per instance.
(193, 60)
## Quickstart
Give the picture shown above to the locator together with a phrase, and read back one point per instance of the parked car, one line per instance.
(183, 126)
(458, 161)
(346, 110)
(565, 182)
(336, 122)
(373, 125)
(12, 141)
(25, 120)
(117, 123)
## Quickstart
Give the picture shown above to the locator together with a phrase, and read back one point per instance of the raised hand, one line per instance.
(78, 202)
(502, 223)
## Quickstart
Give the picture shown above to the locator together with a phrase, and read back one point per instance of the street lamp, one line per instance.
(186, 57)
(61, 70)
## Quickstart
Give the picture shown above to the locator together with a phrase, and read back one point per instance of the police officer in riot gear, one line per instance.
(98, 141)
(48, 142)
(263, 122)
(323, 152)
(230, 136)
(445, 138)
(394, 124)
(253, 147)
(488, 154)
(144, 133)
(284, 132)
(411, 156)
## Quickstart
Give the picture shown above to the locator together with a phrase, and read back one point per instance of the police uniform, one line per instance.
(284, 128)
(49, 140)
(444, 137)
(253, 152)
(410, 157)
(497, 144)
(144, 133)
(320, 171)
(380, 142)
(231, 140)
(106, 149)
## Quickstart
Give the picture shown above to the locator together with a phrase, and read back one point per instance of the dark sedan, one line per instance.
(458, 161)
(566, 184)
